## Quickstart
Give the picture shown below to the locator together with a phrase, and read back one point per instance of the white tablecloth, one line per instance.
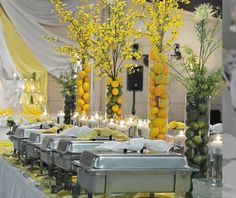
(14, 185)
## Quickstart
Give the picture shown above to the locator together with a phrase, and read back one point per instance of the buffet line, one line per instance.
(107, 155)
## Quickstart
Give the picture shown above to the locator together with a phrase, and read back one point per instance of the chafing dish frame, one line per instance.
(115, 180)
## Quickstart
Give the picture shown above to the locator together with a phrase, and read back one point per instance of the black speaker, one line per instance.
(135, 79)
(215, 117)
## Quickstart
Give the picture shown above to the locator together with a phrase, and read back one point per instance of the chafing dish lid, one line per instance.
(146, 160)
(77, 146)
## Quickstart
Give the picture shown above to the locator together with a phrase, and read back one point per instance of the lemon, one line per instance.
(79, 109)
(159, 122)
(109, 80)
(82, 74)
(87, 69)
(151, 117)
(160, 90)
(154, 132)
(115, 91)
(86, 87)
(79, 83)
(152, 75)
(86, 79)
(154, 110)
(153, 54)
(80, 92)
(81, 102)
(119, 100)
(161, 136)
(158, 68)
(115, 84)
(115, 108)
(119, 79)
(163, 130)
(162, 113)
(119, 112)
(163, 103)
(86, 107)
(86, 96)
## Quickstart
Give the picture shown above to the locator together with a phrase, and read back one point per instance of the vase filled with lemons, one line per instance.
(113, 97)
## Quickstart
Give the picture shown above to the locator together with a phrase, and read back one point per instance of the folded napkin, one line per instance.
(217, 128)
(136, 144)
(75, 131)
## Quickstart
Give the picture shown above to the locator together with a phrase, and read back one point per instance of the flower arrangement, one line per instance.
(81, 27)
(67, 80)
(113, 49)
(201, 85)
(162, 21)
(108, 43)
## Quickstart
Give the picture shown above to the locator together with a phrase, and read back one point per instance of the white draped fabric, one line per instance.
(9, 90)
(32, 33)
(14, 185)
(40, 10)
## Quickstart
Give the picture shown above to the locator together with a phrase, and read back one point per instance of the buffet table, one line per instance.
(13, 184)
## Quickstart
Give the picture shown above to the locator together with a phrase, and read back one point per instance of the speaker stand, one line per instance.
(133, 108)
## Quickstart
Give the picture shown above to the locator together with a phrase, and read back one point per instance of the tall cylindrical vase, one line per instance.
(113, 97)
(198, 121)
(69, 108)
(158, 95)
(83, 88)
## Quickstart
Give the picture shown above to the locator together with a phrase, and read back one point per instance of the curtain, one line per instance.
(9, 88)
(40, 10)
(32, 33)
(25, 61)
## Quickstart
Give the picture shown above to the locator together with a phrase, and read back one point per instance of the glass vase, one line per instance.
(158, 95)
(197, 120)
(69, 108)
(83, 90)
(113, 97)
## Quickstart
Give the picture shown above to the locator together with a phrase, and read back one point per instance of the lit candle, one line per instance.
(83, 120)
(143, 129)
(112, 124)
(74, 118)
(92, 123)
(122, 127)
(60, 117)
(40, 99)
(130, 122)
(217, 144)
(32, 88)
(45, 113)
(180, 139)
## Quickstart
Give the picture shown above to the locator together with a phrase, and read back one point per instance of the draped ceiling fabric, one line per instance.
(32, 32)
(25, 61)
(40, 10)
(9, 90)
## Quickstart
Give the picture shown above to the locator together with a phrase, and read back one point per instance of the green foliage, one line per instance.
(198, 80)
(67, 80)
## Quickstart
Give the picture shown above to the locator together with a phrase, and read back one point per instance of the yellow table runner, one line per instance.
(6, 148)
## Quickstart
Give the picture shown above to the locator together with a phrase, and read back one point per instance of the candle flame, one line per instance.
(218, 138)
(181, 132)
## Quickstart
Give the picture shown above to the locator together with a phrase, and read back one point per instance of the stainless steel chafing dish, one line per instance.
(71, 149)
(109, 172)
(32, 145)
(67, 151)
(47, 150)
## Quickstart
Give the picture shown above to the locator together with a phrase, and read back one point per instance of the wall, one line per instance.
(176, 91)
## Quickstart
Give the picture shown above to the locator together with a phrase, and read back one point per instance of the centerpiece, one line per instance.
(162, 21)
(202, 85)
